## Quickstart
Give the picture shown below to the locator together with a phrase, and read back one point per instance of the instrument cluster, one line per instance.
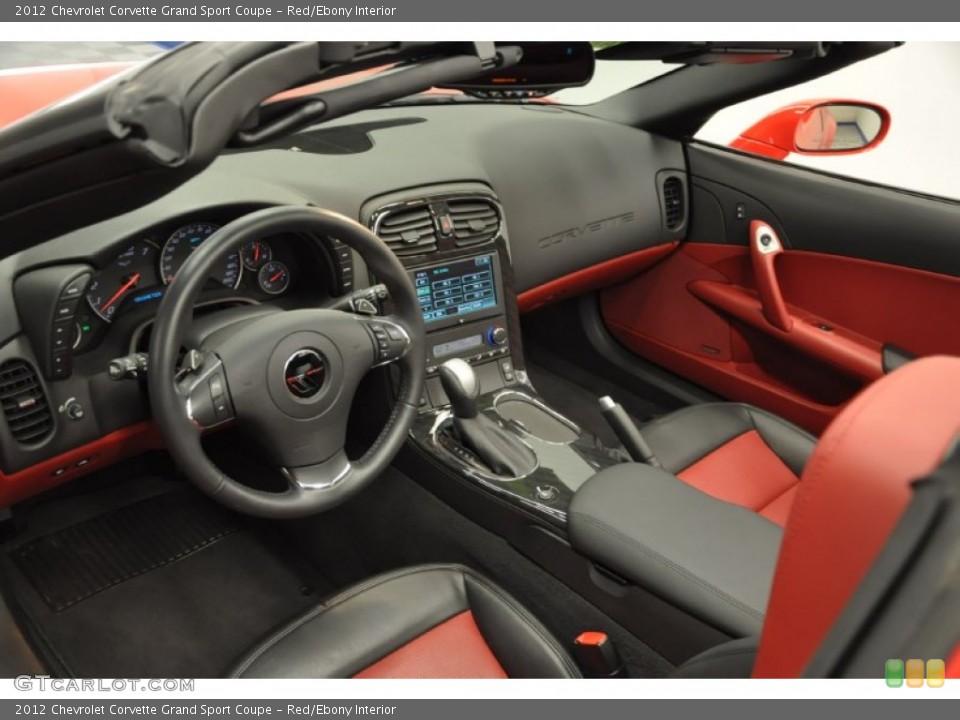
(142, 271)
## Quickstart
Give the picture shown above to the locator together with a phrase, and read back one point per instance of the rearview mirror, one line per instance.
(817, 127)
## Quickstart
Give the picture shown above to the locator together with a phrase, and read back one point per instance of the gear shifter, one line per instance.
(462, 386)
(504, 453)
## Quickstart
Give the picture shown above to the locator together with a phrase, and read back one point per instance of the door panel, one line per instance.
(699, 314)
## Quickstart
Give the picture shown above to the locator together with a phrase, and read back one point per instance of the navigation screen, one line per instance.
(456, 289)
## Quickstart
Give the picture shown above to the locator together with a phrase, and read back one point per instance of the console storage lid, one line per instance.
(709, 557)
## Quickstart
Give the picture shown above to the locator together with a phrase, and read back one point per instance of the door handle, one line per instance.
(764, 248)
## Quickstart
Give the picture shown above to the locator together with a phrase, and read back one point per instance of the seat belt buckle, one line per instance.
(597, 656)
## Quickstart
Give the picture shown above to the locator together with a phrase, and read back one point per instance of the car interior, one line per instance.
(426, 374)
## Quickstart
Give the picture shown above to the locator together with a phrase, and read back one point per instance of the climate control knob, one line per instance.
(496, 335)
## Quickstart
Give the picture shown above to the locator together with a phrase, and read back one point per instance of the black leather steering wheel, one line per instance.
(289, 376)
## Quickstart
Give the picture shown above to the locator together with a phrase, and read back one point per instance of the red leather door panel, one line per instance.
(659, 316)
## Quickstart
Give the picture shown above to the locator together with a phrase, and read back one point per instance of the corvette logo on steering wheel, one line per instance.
(305, 373)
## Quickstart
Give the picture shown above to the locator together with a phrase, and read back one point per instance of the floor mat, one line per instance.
(184, 589)
(75, 563)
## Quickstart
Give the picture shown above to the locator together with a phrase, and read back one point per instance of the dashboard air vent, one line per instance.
(24, 404)
(474, 220)
(673, 202)
(409, 231)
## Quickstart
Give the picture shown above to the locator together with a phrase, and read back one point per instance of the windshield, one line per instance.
(611, 77)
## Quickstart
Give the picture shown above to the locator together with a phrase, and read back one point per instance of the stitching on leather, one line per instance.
(333, 602)
(752, 411)
(779, 421)
(656, 427)
(654, 555)
(398, 407)
(529, 620)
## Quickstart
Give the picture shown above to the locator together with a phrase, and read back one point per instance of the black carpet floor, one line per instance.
(166, 585)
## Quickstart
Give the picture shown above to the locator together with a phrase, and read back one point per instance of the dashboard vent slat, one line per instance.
(673, 203)
(409, 231)
(474, 221)
(24, 404)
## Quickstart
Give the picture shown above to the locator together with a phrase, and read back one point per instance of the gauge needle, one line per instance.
(131, 283)
(256, 252)
(277, 276)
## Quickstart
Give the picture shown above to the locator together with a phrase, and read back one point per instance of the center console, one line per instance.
(495, 431)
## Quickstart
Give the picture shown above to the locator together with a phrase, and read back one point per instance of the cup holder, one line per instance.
(536, 420)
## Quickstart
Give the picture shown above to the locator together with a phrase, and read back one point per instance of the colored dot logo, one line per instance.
(913, 672)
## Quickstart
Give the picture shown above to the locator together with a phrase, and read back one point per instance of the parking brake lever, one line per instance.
(628, 433)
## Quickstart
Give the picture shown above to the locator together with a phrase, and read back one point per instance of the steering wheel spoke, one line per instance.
(320, 476)
(205, 392)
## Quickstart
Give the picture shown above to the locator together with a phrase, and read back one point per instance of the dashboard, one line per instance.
(481, 202)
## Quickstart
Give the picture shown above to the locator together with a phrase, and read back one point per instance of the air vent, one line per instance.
(474, 220)
(24, 404)
(673, 202)
(409, 231)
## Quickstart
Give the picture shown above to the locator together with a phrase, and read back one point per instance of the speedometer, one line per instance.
(183, 242)
(131, 271)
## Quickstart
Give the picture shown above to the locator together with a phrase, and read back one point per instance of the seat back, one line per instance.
(852, 492)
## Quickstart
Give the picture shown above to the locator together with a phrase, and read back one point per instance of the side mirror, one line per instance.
(817, 127)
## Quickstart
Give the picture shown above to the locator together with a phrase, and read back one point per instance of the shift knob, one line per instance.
(462, 386)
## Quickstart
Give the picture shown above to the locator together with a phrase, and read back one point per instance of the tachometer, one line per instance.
(132, 270)
(183, 242)
(255, 254)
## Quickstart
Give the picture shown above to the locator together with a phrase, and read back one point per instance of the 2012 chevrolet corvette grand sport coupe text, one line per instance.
(387, 360)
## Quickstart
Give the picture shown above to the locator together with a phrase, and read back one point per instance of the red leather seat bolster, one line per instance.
(746, 472)
(453, 649)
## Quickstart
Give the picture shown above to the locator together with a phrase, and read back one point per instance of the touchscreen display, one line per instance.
(456, 289)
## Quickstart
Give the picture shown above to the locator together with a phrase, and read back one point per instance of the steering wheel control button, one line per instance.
(390, 339)
(305, 373)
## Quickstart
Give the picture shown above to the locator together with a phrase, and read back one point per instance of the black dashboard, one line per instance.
(539, 191)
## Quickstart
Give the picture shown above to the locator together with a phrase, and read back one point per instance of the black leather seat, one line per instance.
(431, 621)
(734, 452)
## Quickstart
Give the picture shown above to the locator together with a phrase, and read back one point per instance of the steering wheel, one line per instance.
(290, 376)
